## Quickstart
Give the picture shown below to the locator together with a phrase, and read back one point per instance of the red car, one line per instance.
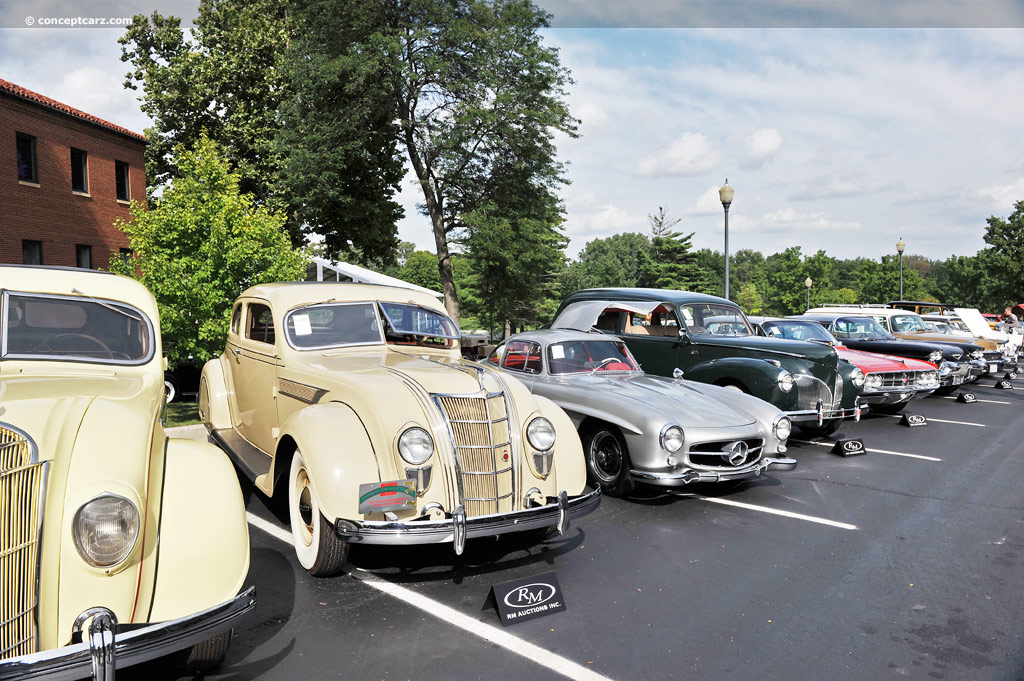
(889, 382)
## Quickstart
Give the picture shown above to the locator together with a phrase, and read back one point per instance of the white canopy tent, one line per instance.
(328, 270)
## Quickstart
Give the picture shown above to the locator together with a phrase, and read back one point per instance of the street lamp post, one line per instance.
(900, 246)
(725, 194)
(808, 283)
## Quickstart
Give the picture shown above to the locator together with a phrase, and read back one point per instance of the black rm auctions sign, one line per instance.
(527, 598)
(849, 447)
(913, 420)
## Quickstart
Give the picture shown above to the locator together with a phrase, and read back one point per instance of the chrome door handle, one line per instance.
(237, 351)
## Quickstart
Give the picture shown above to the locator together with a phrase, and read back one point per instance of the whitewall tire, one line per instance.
(317, 547)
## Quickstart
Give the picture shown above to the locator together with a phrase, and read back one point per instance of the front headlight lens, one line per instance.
(857, 377)
(927, 379)
(785, 381)
(105, 530)
(672, 439)
(783, 428)
(935, 357)
(541, 434)
(873, 381)
(415, 445)
(978, 354)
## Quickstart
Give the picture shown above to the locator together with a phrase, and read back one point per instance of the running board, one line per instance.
(248, 458)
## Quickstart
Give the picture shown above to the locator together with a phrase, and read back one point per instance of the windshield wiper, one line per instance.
(322, 302)
(113, 308)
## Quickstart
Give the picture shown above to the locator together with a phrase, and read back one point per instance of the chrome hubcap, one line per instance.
(606, 456)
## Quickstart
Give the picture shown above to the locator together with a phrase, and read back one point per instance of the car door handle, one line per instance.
(237, 351)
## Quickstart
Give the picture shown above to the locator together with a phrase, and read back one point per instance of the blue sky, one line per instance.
(839, 139)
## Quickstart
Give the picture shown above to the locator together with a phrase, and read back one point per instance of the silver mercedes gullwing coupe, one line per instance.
(639, 428)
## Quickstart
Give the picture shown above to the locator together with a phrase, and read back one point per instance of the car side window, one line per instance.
(661, 322)
(495, 357)
(522, 356)
(884, 321)
(259, 324)
(236, 319)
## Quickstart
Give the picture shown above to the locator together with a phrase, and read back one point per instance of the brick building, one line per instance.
(65, 176)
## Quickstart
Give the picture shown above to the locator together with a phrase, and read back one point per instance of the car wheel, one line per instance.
(206, 656)
(732, 385)
(317, 547)
(824, 430)
(946, 390)
(170, 389)
(608, 461)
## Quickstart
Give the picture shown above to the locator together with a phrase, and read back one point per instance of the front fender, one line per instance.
(338, 454)
(570, 468)
(214, 409)
(204, 537)
(756, 375)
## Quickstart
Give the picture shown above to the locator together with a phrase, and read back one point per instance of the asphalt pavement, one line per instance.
(901, 563)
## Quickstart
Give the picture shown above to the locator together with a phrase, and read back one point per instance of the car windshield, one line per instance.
(859, 328)
(74, 328)
(805, 331)
(573, 357)
(714, 319)
(415, 325)
(906, 323)
(941, 327)
(333, 325)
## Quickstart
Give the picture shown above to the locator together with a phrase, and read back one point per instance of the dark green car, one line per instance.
(709, 339)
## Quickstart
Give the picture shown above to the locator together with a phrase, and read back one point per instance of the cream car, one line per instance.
(112, 533)
(353, 402)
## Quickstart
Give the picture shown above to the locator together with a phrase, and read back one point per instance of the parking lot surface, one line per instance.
(902, 563)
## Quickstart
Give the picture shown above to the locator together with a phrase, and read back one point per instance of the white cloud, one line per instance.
(708, 203)
(840, 185)
(789, 219)
(691, 154)
(762, 146)
(592, 116)
(1004, 195)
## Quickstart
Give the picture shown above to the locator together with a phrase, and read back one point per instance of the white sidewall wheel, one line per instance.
(317, 547)
(170, 390)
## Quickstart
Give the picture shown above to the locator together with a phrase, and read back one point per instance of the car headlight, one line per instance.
(105, 530)
(782, 428)
(978, 354)
(857, 377)
(926, 379)
(415, 445)
(785, 381)
(935, 356)
(541, 434)
(671, 438)
(873, 381)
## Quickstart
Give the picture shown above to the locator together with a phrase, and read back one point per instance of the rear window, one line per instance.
(73, 328)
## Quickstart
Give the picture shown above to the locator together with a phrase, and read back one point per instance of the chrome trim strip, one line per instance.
(686, 477)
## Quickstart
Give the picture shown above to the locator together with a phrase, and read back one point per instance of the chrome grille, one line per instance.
(809, 390)
(708, 455)
(22, 482)
(837, 402)
(479, 427)
(898, 380)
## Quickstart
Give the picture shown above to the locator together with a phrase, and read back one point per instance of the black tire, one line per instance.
(206, 656)
(946, 390)
(824, 430)
(317, 547)
(171, 391)
(888, 408)
(607, 459)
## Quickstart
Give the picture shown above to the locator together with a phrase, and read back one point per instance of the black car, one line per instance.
(866, 334)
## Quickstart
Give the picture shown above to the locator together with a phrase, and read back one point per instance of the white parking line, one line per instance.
(877, 451)
(773, 511)
(487, 632)
(976, 399)
(959, 423)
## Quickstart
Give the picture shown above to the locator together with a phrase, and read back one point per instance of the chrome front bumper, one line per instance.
(458, 528)
(894, 396)
(678, 479)
(822, 413)
(952, 374)
(106, 649)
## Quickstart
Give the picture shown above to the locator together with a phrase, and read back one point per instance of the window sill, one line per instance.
(124, 203)
(85, 194)
(26, 183)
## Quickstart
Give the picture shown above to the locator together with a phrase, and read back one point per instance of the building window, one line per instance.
(123, 187)
(83, 256)
(27, 168)
(32, 252)
(79, 171)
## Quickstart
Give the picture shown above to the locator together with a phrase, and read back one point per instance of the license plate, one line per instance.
(957, 380)
(378, 497)
(992, 368)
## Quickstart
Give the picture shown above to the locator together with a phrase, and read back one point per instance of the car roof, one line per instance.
(828, 316)
(289, 294)
(76, 281)
(653, 294)
(548, 336)
(860, 310)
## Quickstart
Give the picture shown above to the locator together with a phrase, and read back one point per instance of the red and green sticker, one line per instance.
(378, 497)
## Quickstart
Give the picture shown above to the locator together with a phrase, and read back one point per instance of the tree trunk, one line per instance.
(508, 328)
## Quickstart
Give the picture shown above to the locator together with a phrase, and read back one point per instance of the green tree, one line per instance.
(420, 268)
(199, 246)
(615, 261)
(879, 282)
(749, 299)
(1004, 256)
(670, 265)
(786, 290)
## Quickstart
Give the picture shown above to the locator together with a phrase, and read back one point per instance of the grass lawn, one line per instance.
(182, 413)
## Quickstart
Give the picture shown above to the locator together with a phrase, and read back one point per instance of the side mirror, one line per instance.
(677, 373)
(684, 337)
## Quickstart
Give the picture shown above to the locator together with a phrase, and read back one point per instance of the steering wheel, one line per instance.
(47, 344)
